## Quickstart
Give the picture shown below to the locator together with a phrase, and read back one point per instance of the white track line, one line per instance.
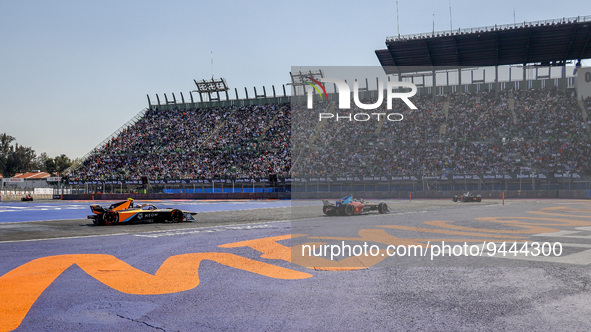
(146, 234)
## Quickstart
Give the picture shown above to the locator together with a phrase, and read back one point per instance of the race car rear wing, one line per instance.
(97, 209)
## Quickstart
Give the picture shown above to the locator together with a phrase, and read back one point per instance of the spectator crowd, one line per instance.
(540, 130)
(249, 141)
(543, 130)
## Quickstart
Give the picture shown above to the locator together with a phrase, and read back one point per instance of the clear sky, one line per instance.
(72, 72)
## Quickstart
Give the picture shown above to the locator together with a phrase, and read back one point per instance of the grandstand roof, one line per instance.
(550, 42)
(32, 175)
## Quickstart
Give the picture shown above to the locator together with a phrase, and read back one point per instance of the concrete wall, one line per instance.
(115, 197)
(573, 194)
(17, 197)
(567, 194)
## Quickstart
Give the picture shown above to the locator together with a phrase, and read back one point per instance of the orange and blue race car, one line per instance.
(125, 212)
(348, 206)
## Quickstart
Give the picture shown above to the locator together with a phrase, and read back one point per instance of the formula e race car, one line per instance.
(467, 197)
(124, 212)
(27, 198)
(348, 206)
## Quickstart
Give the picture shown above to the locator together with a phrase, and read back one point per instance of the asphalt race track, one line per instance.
(238, 267)
(54, 210)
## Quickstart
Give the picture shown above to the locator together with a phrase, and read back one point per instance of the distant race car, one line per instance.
(124, 212)
(467, 197)
(27, 198)
(348, 206)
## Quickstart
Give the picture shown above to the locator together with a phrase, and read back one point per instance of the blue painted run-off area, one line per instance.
(58, 210)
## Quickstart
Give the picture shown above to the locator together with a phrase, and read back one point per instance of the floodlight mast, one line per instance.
(302, 78)
(210, 86)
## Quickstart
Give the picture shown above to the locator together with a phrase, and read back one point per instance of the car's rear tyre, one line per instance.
(479, 199)
(383, 208)
(349, 210)
(326, 210)
(111, 218)
(455, 199)
(98, 221)
(177, 215)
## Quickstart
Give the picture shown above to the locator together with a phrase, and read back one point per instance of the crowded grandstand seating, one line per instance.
(540, 130)
(535, 130)
(248, 141)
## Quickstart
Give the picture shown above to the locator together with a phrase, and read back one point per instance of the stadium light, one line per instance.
(212, 86)
(302, 78)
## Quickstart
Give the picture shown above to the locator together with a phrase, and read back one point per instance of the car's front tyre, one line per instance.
(383, 208)
(349, 209)
(177, 215)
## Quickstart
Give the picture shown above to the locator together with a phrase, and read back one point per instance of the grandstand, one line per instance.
(196, 145)
(529, 133)
(542, 131)
(548, 42)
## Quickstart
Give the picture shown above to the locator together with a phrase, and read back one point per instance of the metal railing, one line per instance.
(97, 148)
(564, 20)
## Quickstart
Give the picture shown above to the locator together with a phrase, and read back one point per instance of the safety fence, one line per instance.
(490, 185)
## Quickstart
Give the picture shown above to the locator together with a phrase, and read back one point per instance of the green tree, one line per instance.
(40, 161)
(20, 159)
(62, 162)
(49, 166)
(5, 141)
